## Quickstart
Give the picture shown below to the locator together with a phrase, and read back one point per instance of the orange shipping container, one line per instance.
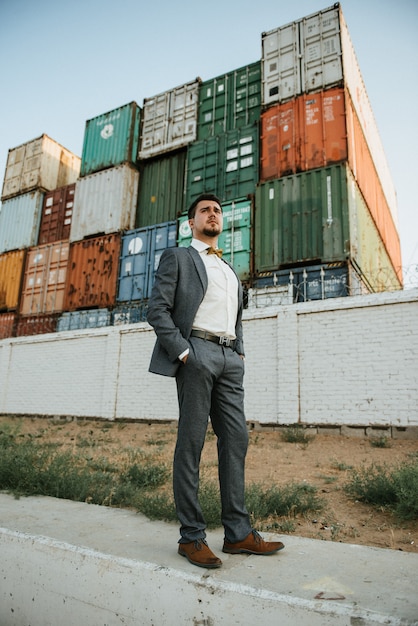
(92, 273)
(11, 273)
(43, 288)
(57, 211)
(305, 133)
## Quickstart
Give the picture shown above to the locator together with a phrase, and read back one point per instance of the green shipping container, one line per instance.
(161, 189)
(111, 139)
(230, 101)
(320, 217)
(235, 239)
(226, 165)
(303, 217)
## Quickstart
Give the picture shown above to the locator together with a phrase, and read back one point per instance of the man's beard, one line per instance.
(212, 232)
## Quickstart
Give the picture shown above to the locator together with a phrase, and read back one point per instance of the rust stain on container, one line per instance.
(57, 211)
(36, 324)
(7, 325)
(93, 272)
(45, 278)
(11, 273)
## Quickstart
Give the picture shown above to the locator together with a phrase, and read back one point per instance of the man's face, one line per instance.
(208, 219)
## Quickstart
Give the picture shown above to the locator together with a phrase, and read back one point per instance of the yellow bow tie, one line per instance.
(216, 251)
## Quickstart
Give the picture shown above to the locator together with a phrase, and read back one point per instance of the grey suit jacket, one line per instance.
(180, 285)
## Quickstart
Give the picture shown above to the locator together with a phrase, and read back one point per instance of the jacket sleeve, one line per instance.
(161, 306)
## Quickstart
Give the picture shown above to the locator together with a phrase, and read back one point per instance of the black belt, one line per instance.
(223, 341)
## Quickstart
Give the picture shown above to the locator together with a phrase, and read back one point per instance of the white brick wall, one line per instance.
(345, 361)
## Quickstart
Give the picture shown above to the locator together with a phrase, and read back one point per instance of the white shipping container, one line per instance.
(169, 120)
(105, 202)
(316, 53)
(20, 218)
(39, 164)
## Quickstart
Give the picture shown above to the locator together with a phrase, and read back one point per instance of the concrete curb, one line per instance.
(65, 563)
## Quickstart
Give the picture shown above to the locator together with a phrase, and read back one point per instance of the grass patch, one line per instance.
(395, 488)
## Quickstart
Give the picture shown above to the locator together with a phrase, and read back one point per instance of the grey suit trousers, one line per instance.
(210, 385)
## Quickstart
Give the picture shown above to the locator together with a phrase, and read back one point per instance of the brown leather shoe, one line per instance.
(199, 553)
(253, 544)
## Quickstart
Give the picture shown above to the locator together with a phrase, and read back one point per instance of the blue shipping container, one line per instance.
(140, 257)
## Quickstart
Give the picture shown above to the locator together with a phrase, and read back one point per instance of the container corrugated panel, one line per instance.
(370, 184)
(320, 216)
(12, 265)
(236, 237)
(161, 189)
(304, 133)
(91, 318)
(360, 99)
(39, 164)
(92, 273)
(7, 325)
(36, 324)
(314, 54)
(105, 202)
(57, 211)
(368, 248)
(19, 221)
(111, 139)
(169, 120)
(302, 56)
(140, 257)
(130, 313)
(43, 289)
(303, 217)
(226, 164)
(229, 101)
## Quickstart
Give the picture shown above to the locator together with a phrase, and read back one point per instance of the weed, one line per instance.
(341, 466)
(296, 434)
(380, 442)
(395, 488)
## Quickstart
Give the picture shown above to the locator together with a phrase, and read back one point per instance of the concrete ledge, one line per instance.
(71, 563)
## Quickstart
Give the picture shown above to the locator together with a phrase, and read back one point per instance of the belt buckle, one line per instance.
(225, 341)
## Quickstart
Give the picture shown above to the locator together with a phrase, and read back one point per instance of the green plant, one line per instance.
(380, 442)
(296, 434)
(392, 487)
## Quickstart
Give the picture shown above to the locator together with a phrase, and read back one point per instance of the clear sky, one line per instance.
(63, 62)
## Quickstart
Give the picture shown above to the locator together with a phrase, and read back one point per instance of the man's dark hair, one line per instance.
(204, 196)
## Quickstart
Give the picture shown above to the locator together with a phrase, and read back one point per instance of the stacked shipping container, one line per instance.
(289, 144)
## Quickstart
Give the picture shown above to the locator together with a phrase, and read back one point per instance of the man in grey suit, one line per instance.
(195, 309)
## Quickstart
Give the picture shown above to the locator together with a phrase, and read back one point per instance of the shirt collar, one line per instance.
(200, 246)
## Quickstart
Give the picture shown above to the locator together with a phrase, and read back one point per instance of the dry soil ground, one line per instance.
(324, 462)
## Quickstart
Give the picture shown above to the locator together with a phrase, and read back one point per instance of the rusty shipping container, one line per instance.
(169, 120)
(7, 325)
(105, 202)
(36, 324)
(41, 163)
(93, 272)
(12, 266)
(43, 287)
(303, 133)
(315, 53)
(57, 211)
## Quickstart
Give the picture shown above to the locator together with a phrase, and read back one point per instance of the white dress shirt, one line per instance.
(217, 313)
